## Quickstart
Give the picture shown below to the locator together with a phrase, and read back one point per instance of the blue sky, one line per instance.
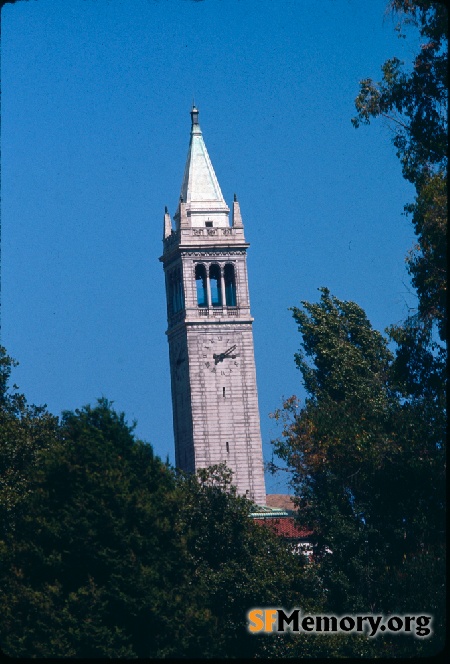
(95, 129)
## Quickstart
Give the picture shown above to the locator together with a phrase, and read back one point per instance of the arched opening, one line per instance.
(230, 285)
(214, 280)
(200, 281)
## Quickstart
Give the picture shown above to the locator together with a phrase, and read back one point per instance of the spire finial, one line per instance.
(194, 115)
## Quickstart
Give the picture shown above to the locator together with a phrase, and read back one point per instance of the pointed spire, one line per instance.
(200, 189)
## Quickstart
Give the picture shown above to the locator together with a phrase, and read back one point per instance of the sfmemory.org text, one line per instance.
(277, 621)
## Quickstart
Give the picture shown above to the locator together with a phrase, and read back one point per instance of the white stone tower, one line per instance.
(212, 366)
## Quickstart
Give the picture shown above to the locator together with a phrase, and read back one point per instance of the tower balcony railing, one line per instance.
(204, 312)
(191, 236)
(217, 311)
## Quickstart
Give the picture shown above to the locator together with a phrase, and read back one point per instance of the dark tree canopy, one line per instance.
(92, 547)
(368, 469)
(25, 431)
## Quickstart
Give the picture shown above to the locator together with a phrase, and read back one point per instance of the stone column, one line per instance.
(222, 286)
(208, 289)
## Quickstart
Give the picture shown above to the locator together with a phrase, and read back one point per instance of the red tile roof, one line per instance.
(285, 527)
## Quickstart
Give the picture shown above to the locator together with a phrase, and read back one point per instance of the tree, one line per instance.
(415, 104)
(92, 555)
(368, 470)
(427, 261)
(25, 431)
(234, 565)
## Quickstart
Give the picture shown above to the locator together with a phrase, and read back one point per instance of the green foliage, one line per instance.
(233, 565)
(93, 551)
(346, 382)
(427, 261)
(25, 431)
(367, 455)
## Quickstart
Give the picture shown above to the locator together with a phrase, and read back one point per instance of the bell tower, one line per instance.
(212, 366)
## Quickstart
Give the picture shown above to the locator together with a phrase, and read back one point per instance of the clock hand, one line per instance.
(222, 356)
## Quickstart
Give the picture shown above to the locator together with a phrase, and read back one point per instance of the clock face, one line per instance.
(220, 354)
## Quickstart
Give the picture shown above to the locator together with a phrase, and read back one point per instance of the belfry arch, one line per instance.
(201, 285)
(215, 282)
(230, 285)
